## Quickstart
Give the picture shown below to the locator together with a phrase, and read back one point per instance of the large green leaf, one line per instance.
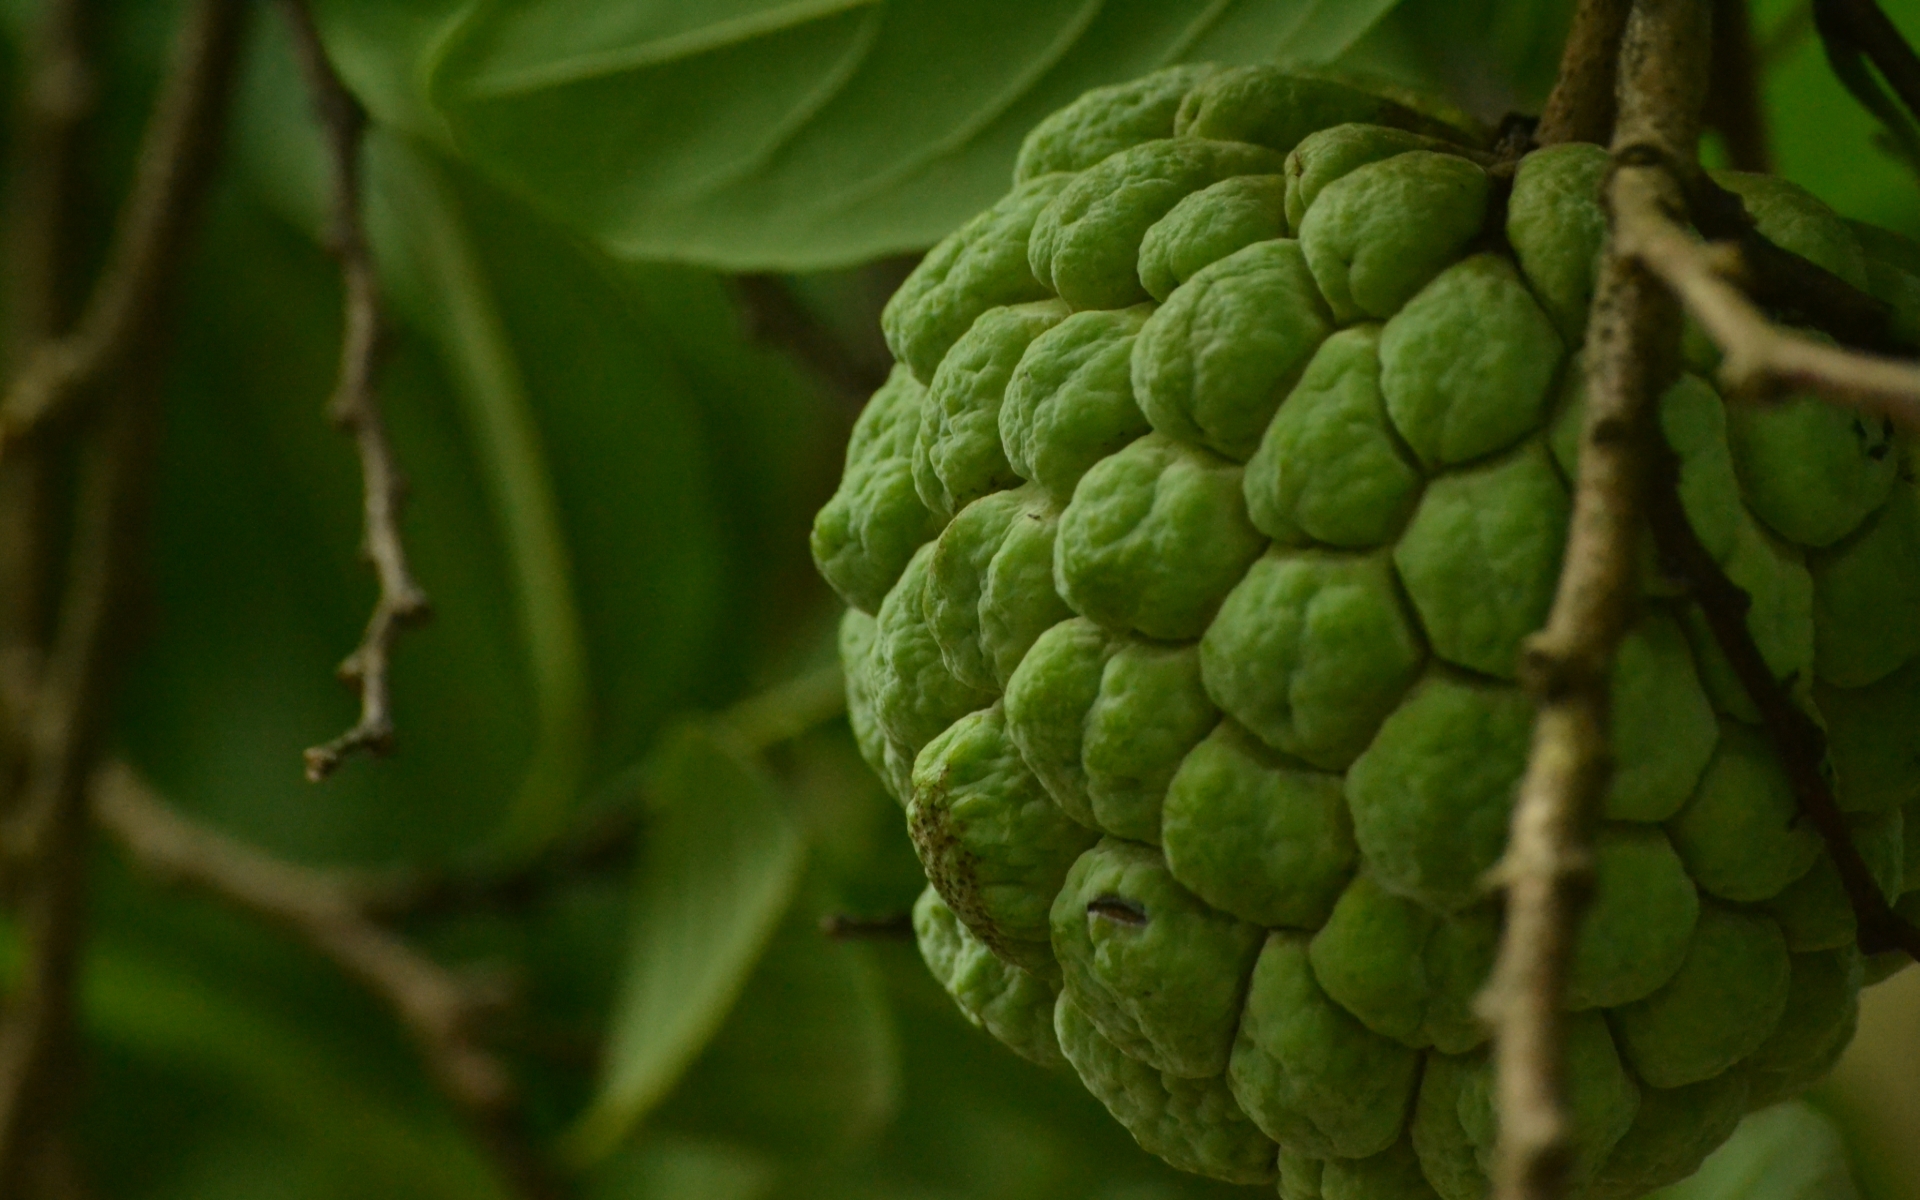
(806, 1066)
(779, 133)
(1489, 57)
(719, 861)
(604, 472)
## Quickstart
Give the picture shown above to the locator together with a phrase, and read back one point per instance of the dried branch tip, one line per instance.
(355, 408)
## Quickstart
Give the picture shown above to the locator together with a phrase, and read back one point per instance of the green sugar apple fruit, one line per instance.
(1189, 550)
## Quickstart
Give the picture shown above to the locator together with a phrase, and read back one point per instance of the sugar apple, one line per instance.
(1189, 549)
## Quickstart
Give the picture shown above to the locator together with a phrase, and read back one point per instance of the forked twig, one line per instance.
(1760, 360)
(442, 1010)
(355, 408)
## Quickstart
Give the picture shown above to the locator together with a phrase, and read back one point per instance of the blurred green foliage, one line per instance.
(612, 485)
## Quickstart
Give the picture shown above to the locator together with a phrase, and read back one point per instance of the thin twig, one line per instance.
(59, 96)
(1793, 288)
(1760, 360)
(1794, 736)
(42, 242)
(1580, 107)
(1632, 352)
(176, 159)
(355, 408)
(46, 833)
(118, 344)
(1733, 100)
(441, 1009)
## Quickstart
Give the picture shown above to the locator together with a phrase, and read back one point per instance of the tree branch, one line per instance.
(177, 157)
(1580, 107)
(59, 97)
(1794, 288)
(355, 408)
(46, 832)
(1760, 360)
(1632, 352)
(116, 348)
(42, 245)
(443, 1011)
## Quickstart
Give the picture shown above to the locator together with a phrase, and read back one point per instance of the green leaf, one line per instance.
(258, 590)
(670, 470)
(1823, 140)
(1490, 57)
(975, 1120)
(719, 861)
(447, 286)
(755, 134)
(1788, 1152)
(807, 1064)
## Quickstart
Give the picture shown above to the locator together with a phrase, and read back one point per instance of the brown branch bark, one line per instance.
(1632, 353)
(1790, 286)
(1581, 106)
(115, 353)
(355, 408)
(1761, 360)
(177, 157)
(47, 832)
(442, 1010)
(42, 239)
(42, 246)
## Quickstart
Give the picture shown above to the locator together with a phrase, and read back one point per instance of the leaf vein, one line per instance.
(718, 36)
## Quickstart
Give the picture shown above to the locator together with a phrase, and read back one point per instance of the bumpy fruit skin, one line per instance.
(1189, 551)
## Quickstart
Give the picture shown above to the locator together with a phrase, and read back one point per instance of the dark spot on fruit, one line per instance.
(1116, 908)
